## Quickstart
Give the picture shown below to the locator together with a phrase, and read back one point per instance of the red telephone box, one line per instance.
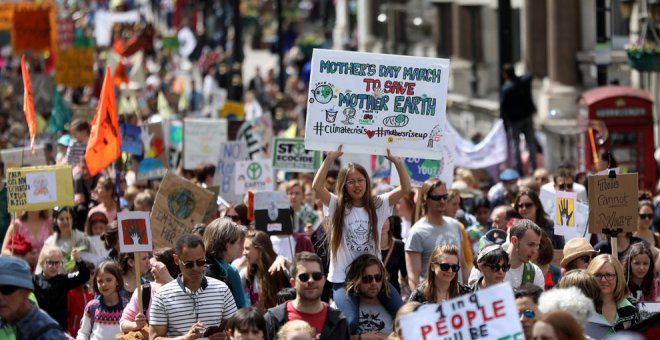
(628, 115)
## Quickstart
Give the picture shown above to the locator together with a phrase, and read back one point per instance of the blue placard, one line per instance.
(130, 139)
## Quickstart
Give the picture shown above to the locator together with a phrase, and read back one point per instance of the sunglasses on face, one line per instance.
(525, 205)
(646, 216)
(190, 264)
(586, 258)
(496, 267)
(304, 277)
(438, 197)
(565, 186)
(445, 267)
(528, 313)
(371, 278)
(7, 290)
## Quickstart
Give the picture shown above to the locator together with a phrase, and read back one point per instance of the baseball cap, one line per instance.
(509, 175)
(15, 271)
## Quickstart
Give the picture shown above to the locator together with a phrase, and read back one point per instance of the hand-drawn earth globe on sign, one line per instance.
(181, 203)
(323, 94)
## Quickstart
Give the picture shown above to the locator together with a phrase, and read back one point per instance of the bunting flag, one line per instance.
(104, 141)
(61, 114)
(28, 104)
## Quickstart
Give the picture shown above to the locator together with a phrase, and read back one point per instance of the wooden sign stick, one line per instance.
(138, 282)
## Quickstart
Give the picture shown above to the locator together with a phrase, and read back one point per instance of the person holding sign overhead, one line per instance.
(356, 220)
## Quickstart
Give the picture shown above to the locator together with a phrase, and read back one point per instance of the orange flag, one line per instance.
(28, 103)
(104, 141)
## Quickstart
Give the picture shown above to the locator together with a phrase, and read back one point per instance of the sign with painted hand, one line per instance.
(179, 205)
(370, 102)
(489, 313)
(134, 232)
(225, 178)
(565, 209)
(613, 203)
(254, 176)
(201, 141)
(290, 154)
(272, 214)
(39, 187)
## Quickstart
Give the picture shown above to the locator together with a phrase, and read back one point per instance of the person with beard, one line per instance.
(308, 279)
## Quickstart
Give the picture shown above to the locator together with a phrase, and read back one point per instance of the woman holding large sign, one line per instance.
(357, 220)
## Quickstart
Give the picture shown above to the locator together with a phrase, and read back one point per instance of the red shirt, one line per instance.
(315, 320)
(77, 299)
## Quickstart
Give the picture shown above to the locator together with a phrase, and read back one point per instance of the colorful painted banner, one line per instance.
(225, 171)
(156, 160)
(21, 157)
(419, 170)
(613, 203)
(370, 102)
(289, 154)
(257, 135)
(39, 187)
(131, 141)
(271, 213)
(179, 205)
(74, 66)
(256, 175)
(489, 313)
(201, 141)
(134, 232)
(34, 27)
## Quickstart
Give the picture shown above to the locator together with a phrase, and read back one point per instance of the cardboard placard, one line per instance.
(134, 232)
(34, 27)
(371, 102)
(254, 176)
(272, 214)
(489, 313)
(613, 203)
(179, 205)
(39, 187)
(156, 160)
(74, 66)
(225, 178)
(290, 154)
(201, 141)
(21, 157)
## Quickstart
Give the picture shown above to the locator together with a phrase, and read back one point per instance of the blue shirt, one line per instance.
(236, 286)
(32, 326)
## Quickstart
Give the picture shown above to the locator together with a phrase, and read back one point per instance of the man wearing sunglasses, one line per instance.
(189, 305)
(16, 310)
(308, 279)
(431, 230)
(527, 300)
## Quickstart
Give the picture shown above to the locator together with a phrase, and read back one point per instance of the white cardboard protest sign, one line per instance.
(230, 153)
(201, 141)
(134, 231)
(271, 213)
(370, 102)
(256, 175)
(489, 313)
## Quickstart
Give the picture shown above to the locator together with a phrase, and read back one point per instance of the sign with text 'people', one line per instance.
(39, 187)
(370, 102)
(489, 313)
(290, 154)
(613, 203)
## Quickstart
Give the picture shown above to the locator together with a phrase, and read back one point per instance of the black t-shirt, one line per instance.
(396, 263)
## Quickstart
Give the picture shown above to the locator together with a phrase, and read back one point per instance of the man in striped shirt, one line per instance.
(186, 307)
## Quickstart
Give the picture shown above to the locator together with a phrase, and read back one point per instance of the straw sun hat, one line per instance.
(575, 248)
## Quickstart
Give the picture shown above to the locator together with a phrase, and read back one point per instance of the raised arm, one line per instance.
(319, 180)
(404, 179)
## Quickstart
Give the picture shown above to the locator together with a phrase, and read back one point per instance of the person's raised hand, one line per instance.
(391, 157)
(336, 154)
(75, 254)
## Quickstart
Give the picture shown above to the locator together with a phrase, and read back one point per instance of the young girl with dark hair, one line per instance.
(639, 271)
(493, 262)
(356, 221)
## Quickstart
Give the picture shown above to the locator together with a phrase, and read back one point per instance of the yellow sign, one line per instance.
(39, 187)
(74, 67)
(34, 27)
(233, 111)
(6, 16)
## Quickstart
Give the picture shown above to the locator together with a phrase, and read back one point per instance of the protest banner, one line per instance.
(178, 206)
(39, 187)
(156, 160)
(104, 20)
(34, 27)
(66, 33)
(255, 175)
(230, 153)
(370, 102)
(271, 213)
(131, 142)
(201, 141)
(20, 157)
(613, 203)
(289, 154)
(257, 135)
(75, 66)
(6, 16)
(420, 170)
(491, 150)
(489, 313)
(134, 231)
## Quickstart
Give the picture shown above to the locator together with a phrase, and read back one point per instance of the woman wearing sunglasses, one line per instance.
(529, 206)
(493, 262)
(617, 310)
(645, 221)
(442, 280)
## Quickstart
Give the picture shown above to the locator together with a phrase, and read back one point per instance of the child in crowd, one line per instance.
(639, 272)
(94, 228)
(80, 131)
